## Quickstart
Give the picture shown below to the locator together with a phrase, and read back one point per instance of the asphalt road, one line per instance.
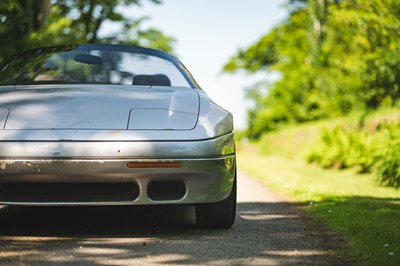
(268, 231)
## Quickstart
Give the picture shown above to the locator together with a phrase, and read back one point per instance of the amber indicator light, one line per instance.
(154, 164)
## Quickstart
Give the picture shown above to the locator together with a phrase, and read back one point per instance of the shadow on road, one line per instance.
(123, 221)
(264, 233)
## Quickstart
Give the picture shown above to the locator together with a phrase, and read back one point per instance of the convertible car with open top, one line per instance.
(113, 125)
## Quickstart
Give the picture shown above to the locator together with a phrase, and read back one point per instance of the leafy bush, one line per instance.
(343, 148)
(368, 142)
(388, 166)
(373, 151)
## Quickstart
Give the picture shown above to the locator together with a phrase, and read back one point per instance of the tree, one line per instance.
(18, 19)
(333, 57)
(59, 22)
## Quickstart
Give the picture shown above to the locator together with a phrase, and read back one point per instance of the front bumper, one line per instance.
(31, 173)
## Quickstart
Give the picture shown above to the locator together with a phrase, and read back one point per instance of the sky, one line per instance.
(208, 33)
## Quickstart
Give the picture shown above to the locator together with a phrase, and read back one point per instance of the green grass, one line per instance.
(366, 214)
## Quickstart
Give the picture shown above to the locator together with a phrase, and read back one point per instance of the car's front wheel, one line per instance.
(217, 214)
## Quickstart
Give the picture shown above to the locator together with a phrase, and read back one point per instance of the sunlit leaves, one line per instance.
(60, 22)
(334, 57)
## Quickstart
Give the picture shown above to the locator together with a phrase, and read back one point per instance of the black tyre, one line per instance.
(218, 214)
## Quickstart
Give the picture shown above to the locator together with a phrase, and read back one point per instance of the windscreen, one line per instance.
(84, 66)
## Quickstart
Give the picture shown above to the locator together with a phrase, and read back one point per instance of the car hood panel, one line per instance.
(97, 107)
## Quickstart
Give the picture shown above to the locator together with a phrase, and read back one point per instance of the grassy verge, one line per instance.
(365, 213)
(294, 141)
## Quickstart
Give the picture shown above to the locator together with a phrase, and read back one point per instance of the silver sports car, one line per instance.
(113, 125)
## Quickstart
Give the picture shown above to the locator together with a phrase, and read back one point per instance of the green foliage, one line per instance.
(377, 151)
(388, 166)
(334, 57)
(364, 142)
(341, 148)
(18, 19)
(60, 22)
